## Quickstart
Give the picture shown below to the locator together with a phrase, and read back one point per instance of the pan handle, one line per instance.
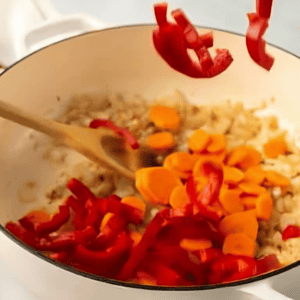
(46, 9)
(263, 290)
(30, 25)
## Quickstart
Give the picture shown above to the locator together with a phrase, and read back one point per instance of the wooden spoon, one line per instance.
(87, 141)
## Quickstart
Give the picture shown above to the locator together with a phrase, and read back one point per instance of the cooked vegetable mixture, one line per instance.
(216, 201)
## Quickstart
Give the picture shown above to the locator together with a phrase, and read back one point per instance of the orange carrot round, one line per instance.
(230, 200)
(165, 117)
(161, 141)
(244, 157)
(275, 147)
(264, 207)
(199, 141)
(239, 244)
(180, 162)
(217, 143)
(179, 197)
(156, 184)
(241, 222)
(276, 179)
(194, 245)
(232, 175)
(252, 188)
(255, 175)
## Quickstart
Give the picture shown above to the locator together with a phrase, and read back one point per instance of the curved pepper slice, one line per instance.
(56, 222)
(267, 263)
(106, 257)
(258, 24)
(172, 41)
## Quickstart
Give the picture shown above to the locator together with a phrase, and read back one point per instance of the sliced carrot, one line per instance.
(232, 175)
(135, 202)
(275, 147)
(264, 207)
(194, 245)
(136, 237)
(105, 219)
(239, 244)
(275, 179)
(231, 201)
(165, 117)
(255, 175)
(249, 201)
(180, 162)
(179, 197)
(183, 161)
(156, 184)
(161, 141)
(38, 216)
(214, 157)
(241, 222)
(252, 188)
(199, 141)
(251, 212)
(139, 183)
(244, 157)
(217, 143)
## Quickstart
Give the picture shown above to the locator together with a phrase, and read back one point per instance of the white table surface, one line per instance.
(284, 31)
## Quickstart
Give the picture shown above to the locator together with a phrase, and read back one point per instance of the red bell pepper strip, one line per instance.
(93, 217)
(211, 191)
(291, 231)
(66, 241)
(138, 253)
(199, 208)
(80, 212)
(172, 41)
(59, 256)
(227, 268)
(28, 237)
(267, 263)
(125, 211)
(106, 258)
(258, 24)
(167, 277)
(58, 220)
(79, 190)
(209, 254)
(177, 229)
(114, 226)
(263, 8)
(173, 256)
(122, 132)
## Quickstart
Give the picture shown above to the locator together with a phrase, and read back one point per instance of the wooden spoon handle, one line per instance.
(27, 119)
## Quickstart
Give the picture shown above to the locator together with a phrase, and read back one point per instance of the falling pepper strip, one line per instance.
(258, 24)
(172, 41)
(122, 132)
